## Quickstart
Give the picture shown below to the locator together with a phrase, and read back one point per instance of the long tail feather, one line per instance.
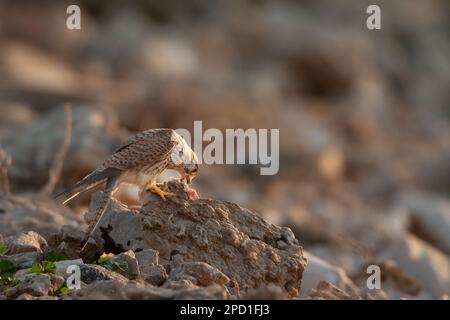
(86, 189)
(89, 182)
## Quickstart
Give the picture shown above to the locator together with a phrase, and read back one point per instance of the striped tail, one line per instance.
(103, 205)
(89, 182)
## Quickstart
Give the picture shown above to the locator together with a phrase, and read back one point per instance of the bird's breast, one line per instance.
(138, 177)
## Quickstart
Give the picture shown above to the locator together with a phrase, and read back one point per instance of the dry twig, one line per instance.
(58, 164)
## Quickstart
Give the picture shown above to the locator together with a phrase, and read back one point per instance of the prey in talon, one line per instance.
(140, 161)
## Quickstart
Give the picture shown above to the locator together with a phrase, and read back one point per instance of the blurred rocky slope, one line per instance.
(363, 116)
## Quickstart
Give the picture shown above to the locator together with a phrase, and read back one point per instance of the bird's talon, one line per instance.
(162, 193)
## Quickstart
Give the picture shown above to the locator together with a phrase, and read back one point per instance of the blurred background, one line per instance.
(364, 116)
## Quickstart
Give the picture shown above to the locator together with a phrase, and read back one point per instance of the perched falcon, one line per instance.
(139, 162)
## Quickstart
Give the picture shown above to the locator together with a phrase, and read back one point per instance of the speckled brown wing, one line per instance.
(145, 149)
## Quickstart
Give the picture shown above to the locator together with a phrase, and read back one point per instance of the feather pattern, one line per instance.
(89, 182)
(139, 162)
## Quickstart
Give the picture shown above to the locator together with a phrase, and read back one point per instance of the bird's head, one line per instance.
(184, 159)
(191, 171)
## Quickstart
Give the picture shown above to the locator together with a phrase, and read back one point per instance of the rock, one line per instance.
(14, 116)
(61, 266)
(422, 262)
(327, 291)
(202, 273)
(318, 270)
(31, 212)
(429, 218)
(269, 292)
(223, 235)
(392, 272)
(116, 290)
(307, 225)
(26, 296)
(180, 284)
(147, 257)
(67, 250)
(29, 241)
(171, 56)
(155, 275)
(128, 257)
(33, 147)
(69, 234)
(92, 272)
(151, 271)
(20, 274)
(394, 285)
(24, 260)
(35, 285)
(68, 241)
(397, 285)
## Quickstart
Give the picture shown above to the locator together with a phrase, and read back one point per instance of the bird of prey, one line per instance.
(138, 162)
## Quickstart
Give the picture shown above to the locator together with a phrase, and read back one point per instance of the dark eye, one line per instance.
(180, 153)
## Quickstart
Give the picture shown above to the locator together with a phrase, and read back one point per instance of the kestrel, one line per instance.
(138, 162)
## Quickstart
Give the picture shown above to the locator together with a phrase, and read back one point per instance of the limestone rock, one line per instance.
(23, 260)
(116, 290)
(269, 292)
(29, 241)
(26, 296)
(156, 275)
(62, 266)
(327, 291)
(423, 262)
(319, 270)
(35, 285)
(429, 218)
(128, 257)
(23, 213)
(33, 147)
(91, 273)
(203, 273)
(223, 235)
(149, 267)
(67, 241)
(148, 257)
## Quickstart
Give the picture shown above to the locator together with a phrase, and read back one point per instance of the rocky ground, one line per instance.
(364, 148)
(179, 248)
(187, 248)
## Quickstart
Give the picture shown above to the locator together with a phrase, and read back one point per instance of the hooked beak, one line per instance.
(190, 176)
